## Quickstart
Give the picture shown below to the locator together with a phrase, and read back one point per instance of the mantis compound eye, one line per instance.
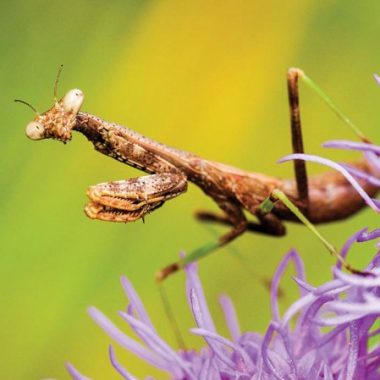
(35, 130)
(72, 101)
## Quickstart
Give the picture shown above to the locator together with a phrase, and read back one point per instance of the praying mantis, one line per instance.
(321, 198)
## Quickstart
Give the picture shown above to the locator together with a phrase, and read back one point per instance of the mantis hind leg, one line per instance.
(294, 75)
(296, 132)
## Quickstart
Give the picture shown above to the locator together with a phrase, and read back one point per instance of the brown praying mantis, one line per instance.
(322, 198)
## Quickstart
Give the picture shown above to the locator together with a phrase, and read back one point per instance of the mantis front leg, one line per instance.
(132, 199)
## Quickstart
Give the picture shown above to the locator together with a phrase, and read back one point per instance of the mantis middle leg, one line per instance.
(234, 216)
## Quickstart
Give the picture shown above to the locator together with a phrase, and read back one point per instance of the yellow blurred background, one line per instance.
(204, 76)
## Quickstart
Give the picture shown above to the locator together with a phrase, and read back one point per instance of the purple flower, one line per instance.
(296, 345)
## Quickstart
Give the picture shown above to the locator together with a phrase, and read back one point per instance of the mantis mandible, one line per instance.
(322, 198)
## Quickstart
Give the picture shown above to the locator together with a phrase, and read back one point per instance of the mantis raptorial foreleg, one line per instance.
(131, 199)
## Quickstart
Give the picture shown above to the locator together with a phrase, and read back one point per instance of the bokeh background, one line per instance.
(204, 76)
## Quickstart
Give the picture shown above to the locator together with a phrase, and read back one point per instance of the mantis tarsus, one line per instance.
(323, 198)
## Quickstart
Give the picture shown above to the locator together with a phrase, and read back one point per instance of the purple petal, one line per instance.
(347, 245)
(331, 287)
(205, 370)
(74, 373)
(360, 281)
(353, 351)
(308, 157)
(146, 339)
(327, 374)
(357, 173)
(193, 283)
(265, 354)
(206, 334)
(125, 341)
(135, 301)
(230, 316)
(156, 343)
(292, 255)
(377, 78)
(338, 320)
(306, 363)
(372, 306)
(373, 160)
(327, 338)
(304, 285)
(352, 145)
(119, 368)
(283, 332)
(306, 330)
(218, 351)
(296, 307)
(369, 235)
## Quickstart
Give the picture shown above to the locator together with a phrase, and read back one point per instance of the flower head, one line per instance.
(294, 346)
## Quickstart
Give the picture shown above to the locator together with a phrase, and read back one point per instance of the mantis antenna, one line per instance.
(56, 82)
(27, 104)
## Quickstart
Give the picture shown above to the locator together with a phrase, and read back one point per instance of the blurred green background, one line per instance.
(204, 76)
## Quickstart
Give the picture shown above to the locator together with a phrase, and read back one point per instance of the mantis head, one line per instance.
(57, 122)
